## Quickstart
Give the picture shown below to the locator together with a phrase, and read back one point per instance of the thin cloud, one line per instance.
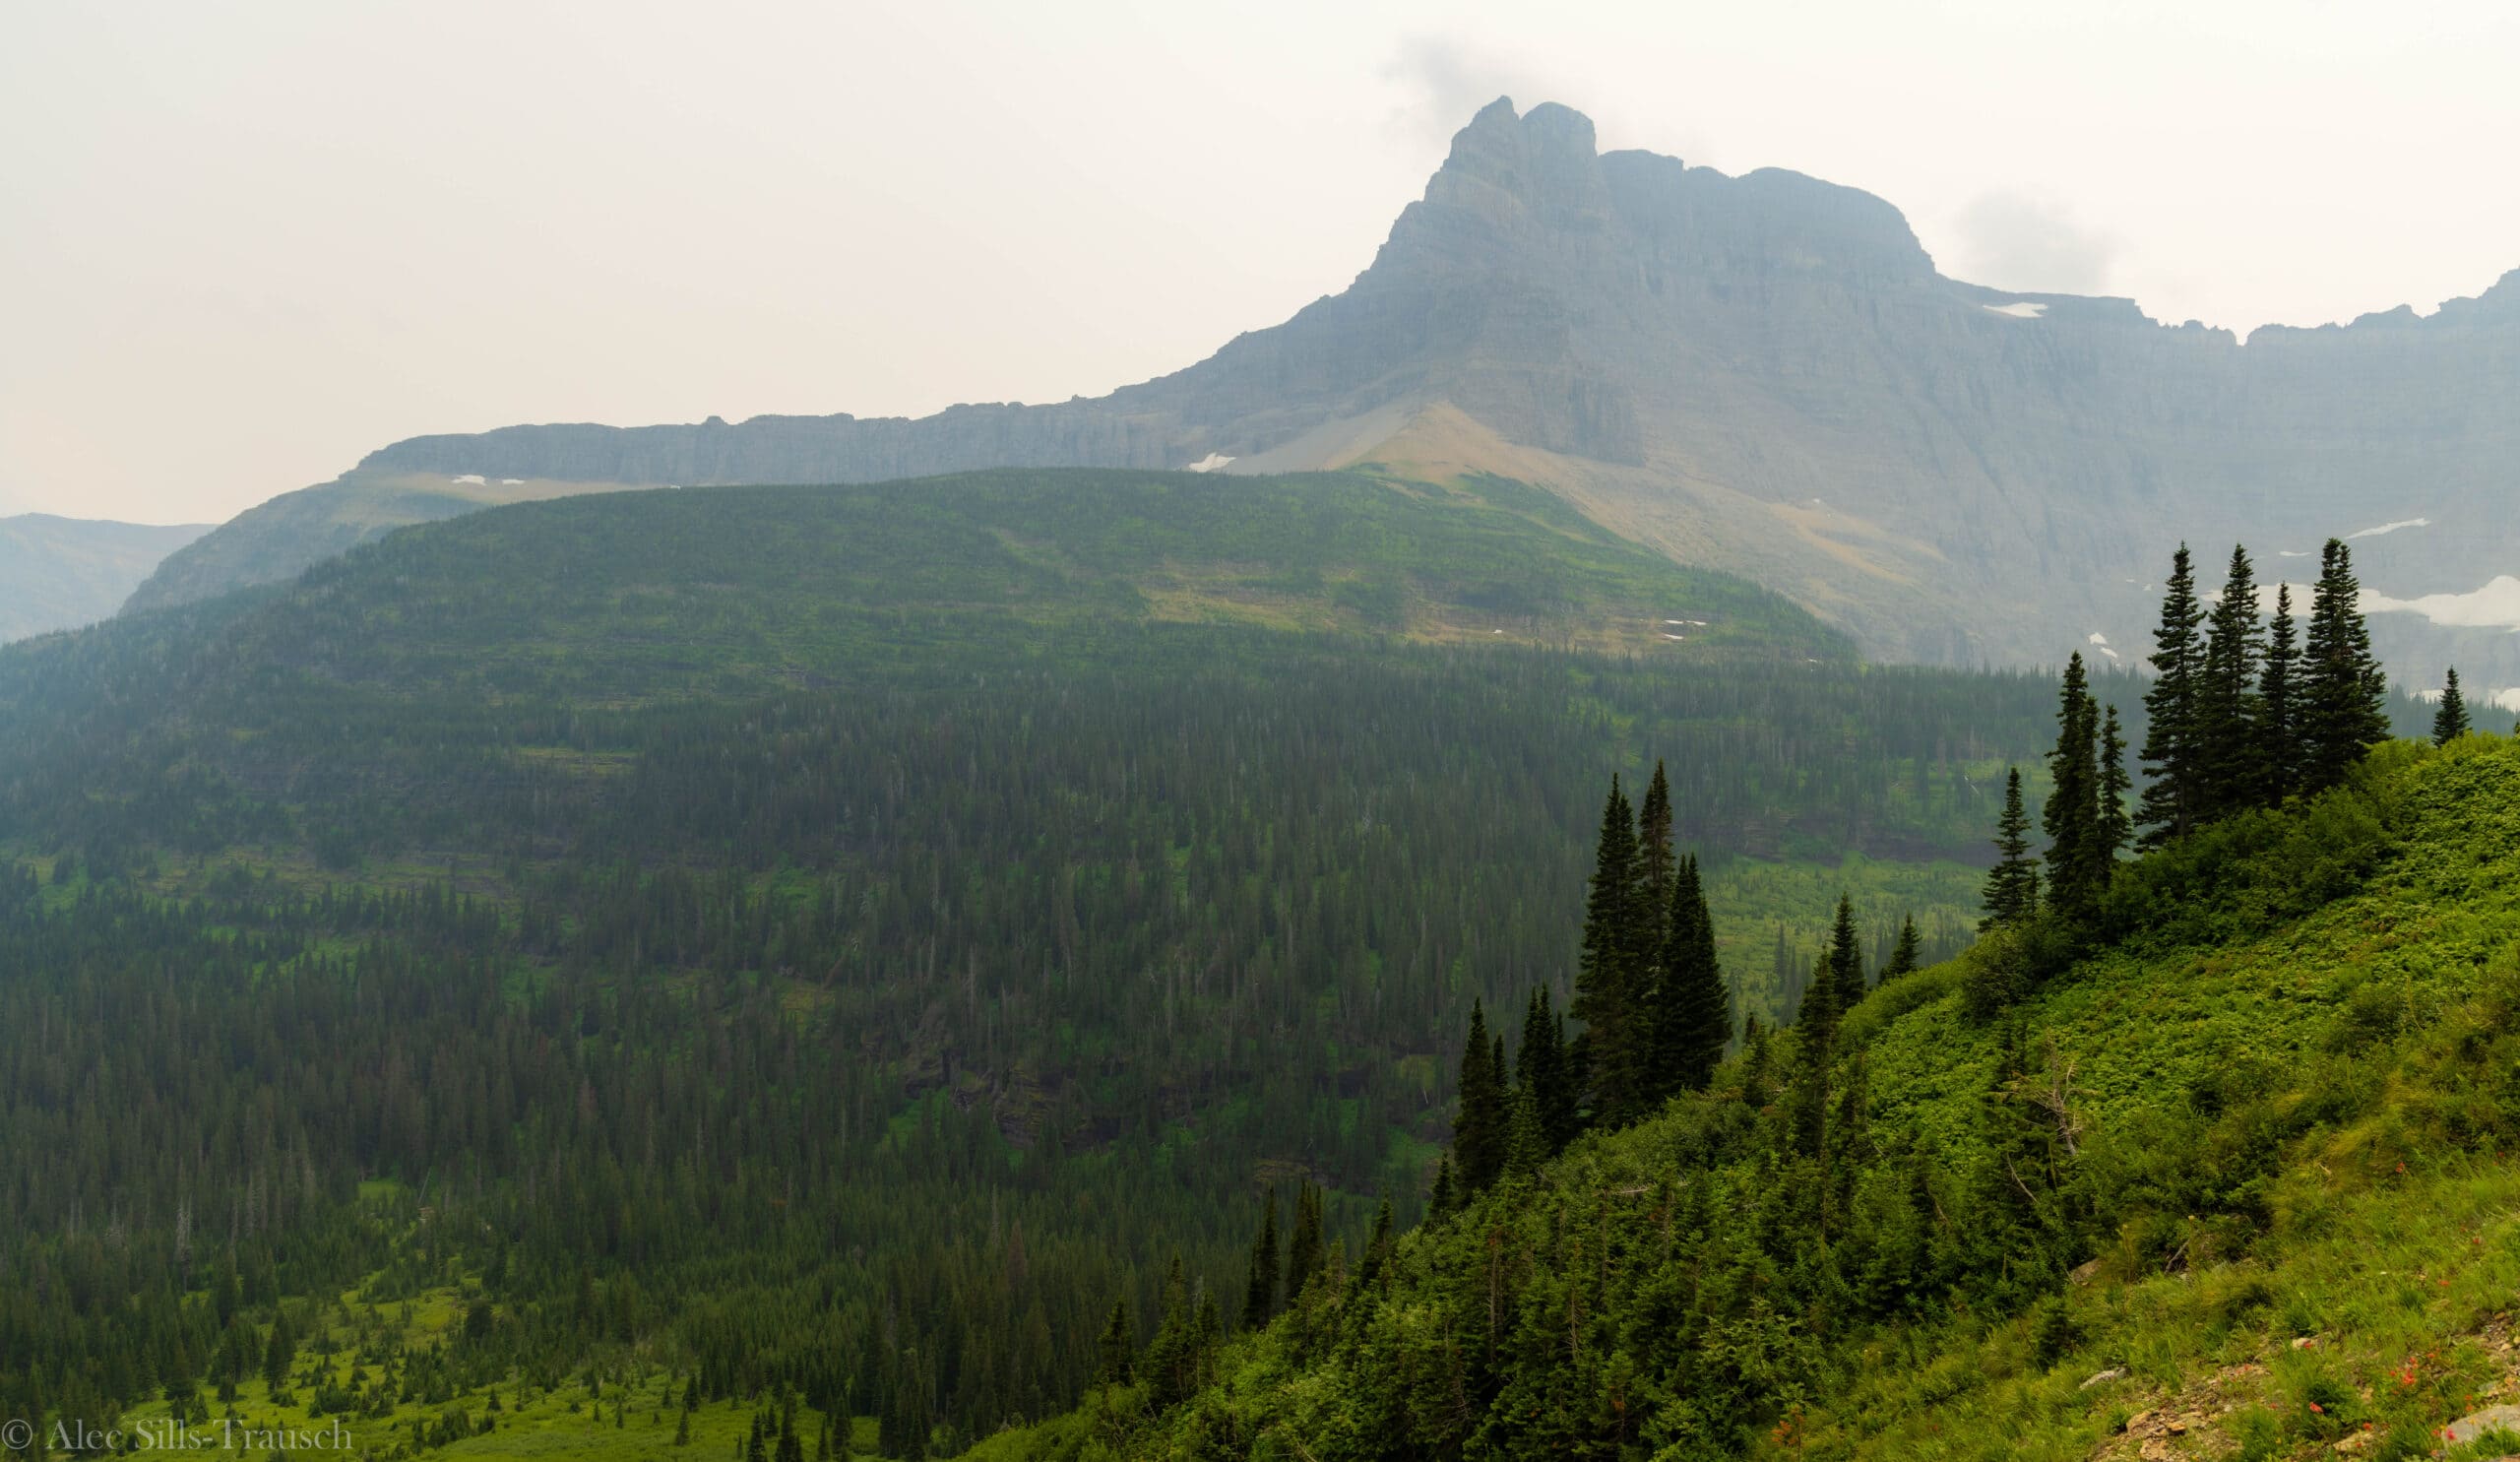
(1447, 82)
(2033, 244)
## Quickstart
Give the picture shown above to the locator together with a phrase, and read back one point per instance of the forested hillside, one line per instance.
(826, 944)
(2198, 1155)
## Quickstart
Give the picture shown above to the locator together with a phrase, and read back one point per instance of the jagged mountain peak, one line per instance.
(1517, 190)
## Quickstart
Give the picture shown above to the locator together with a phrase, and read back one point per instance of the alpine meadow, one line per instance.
(1656, 832)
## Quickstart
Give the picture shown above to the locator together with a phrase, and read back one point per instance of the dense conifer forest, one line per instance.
(824, 948)
(862, 969)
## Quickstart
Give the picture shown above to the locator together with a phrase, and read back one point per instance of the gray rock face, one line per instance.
(1767, 373)
(59, 573)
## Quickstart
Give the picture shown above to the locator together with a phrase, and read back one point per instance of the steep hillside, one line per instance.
(2231, 1185)
(830, 941)
(59, 573)
(1765, 374)
(282, 538)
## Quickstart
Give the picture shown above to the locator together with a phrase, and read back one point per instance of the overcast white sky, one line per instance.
(240, 245)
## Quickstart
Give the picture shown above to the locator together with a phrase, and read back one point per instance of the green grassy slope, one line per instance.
(738, 591)
(2233, 1185)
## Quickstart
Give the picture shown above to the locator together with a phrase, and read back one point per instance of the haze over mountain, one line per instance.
(58, 573)
(1762, 373)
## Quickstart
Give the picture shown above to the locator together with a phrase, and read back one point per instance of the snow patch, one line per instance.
(2373, 532)
(511, 481)
(475, 479)
(2019, 309)
(2495, 607)
(2507, 698)
(1666, 634)
(2099, 639)
(1212, 461)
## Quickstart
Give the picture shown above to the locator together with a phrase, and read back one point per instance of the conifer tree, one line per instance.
(1525, 1147)
(1304, 1253)
(1606, 978)
(1758, 1061)
(2230, 750)
(1694, 1014)
(1654, 843)
(2116, 789)
(1540, 1065)
(1845, 958)
(1260, 1294)
(1118, 1349)
(2279, 708)
(2012, 886)
(2077, 869)
(1907, 955)
(2171, 749)
(1837, 983)
(2450, 722)
(1171, 1356)
(1441, 1198)
(1479, 1129)
(2344, 694)
(1377, 1246)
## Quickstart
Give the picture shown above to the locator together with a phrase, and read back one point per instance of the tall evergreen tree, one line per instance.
(1845, 957)
(2450, 722)
(1525, 1147)
(1442, 1197)
(2077, 867)
(1606, 976)
(1837, 983)
(1540, 1066)
(2116, 790)
(1260, 1292)
(1655, 865)
(1377, 1254)
(1478, 1127)
(2232, 770)
(1907, 955)
(1305, 1256)
(1171, 1357)
(2279, 708)
(1118, 1349)
(2012, 886)
(2172, 752)
(2344, 695)
(1694, 1012)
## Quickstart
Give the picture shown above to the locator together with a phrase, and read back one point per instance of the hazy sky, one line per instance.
(240, 245)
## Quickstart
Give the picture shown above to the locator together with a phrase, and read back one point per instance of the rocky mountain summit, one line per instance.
(1763, 373)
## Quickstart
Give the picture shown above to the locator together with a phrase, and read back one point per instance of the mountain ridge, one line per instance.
(1764, 373)
(60, 573)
